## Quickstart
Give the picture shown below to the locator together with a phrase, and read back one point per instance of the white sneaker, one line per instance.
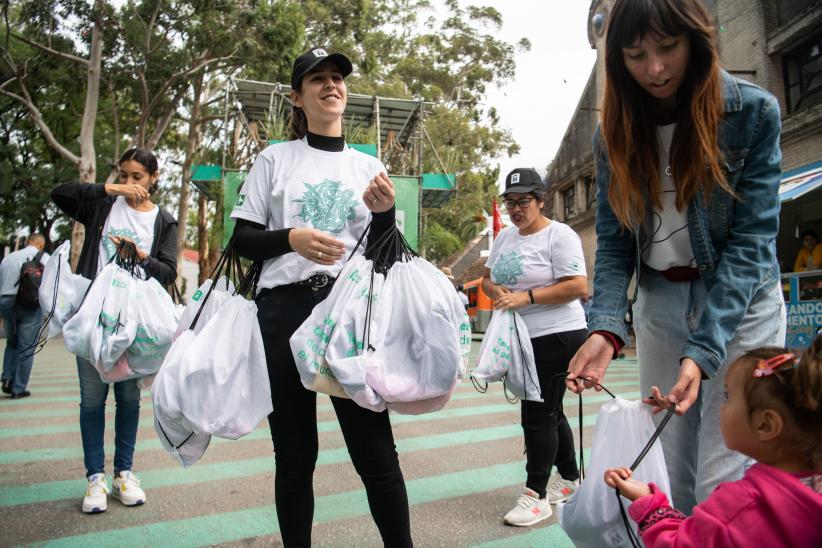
(559, 489)
(95, 500)
(126, 487)
(530, 509)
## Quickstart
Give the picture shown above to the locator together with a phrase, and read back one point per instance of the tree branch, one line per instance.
(37, 118)
(51, 51)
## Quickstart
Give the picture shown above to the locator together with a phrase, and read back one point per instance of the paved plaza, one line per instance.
(464, 468)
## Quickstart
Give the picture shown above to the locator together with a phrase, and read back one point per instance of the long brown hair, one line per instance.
(629, 131)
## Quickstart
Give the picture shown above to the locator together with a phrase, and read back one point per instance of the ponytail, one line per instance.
(297, 124)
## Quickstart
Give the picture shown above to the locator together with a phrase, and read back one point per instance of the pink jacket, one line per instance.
(768, 507)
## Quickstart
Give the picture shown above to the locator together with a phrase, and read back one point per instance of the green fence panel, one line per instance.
(231, 187)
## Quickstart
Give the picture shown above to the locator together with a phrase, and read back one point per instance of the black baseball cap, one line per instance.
(313, 57)
(522, 181)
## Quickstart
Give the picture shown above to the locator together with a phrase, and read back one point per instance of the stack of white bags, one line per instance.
(122, 324)
(398, 340)
(214, 380)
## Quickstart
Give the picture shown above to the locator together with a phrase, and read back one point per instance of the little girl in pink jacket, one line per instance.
(773, 414)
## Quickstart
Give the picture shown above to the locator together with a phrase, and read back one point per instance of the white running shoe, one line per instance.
(126, 487)
(530, 509)
(95, 500)
(560, 489)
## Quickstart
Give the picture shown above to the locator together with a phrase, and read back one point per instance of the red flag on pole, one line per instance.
(497, 220)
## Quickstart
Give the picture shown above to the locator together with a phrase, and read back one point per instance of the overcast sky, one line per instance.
(537, 106)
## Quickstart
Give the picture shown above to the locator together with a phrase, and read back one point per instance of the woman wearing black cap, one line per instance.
(537, 267)
(299, 212)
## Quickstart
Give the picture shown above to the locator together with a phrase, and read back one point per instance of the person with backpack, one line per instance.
(20, 274)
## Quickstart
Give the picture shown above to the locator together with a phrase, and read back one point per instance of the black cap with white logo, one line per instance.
(522, 181)
(313, 57)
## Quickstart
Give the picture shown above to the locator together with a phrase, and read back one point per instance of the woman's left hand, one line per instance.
(511, 300)
(379, 196)
(140, 253)
(684, 392)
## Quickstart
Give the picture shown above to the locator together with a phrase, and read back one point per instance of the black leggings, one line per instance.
(293, 425)
(548, 437)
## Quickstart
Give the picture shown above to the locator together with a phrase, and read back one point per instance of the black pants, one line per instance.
(548, 437)
(293, 425)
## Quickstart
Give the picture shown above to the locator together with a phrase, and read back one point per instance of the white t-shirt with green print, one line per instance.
(294, 185)
(538, 260)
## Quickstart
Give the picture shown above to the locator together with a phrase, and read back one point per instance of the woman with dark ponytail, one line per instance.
(112, 213)
(688, 173)
(301, 210)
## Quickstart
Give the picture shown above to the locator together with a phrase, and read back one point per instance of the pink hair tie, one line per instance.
(766, 368)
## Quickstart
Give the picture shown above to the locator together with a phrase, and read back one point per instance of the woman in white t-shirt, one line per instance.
(111, 213)
(537, 267)
(300, 212)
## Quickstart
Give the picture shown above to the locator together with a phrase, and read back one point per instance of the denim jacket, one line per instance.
(733, 239)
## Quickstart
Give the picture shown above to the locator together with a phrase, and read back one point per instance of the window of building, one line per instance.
(590, 191)
(803, 75)
(568, 198)
(788, 9)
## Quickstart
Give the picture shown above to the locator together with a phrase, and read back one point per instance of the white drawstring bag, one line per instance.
(80, 332)
(358, 331)
(219, 381)
(176, 433)
(458, 312)
(591, 516)
(417, 353)
(117, 322)
(222, 291)
(153, 312)
(61, 291)
(506, 354)
(310, 342)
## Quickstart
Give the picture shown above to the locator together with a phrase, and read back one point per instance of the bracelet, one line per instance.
(531, 296)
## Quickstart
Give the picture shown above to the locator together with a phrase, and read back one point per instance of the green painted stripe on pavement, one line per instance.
(552, 536)
(56, 490)
(257, 522)
(261, 433)
(323, 426)
(72, 411)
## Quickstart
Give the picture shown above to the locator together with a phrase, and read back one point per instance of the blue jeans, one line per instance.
(665, 314)
(93, 394)
(22, 325)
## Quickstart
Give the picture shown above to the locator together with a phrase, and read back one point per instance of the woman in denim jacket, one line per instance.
(688, 171)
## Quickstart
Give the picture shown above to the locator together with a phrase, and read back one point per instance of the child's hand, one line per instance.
(628, 487)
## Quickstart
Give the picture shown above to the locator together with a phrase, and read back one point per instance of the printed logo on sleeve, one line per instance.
(197, 295)
(240, 200)
(574, 266)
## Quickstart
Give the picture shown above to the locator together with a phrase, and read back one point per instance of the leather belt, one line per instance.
(680, 274)
(317, 281)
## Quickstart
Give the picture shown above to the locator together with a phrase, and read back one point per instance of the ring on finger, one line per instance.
(319, 254)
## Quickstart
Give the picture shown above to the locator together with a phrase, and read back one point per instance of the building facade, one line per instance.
(776, 44)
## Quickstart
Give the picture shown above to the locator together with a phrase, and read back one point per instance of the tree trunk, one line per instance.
(87, 165)
(202, 240)
(191, 148)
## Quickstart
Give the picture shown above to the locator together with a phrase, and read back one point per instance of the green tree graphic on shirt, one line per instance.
(327, 206)
(508, 268)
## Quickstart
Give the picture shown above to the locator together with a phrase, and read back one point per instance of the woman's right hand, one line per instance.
(316, 246)
(130, 192)
(591, 361)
